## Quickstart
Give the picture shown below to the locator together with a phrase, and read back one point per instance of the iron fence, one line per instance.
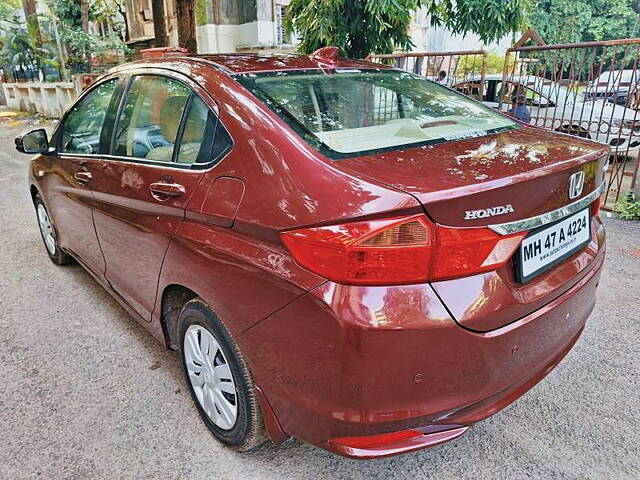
(448, 68)
(585, 89)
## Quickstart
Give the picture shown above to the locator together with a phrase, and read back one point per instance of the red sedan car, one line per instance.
(342, 252)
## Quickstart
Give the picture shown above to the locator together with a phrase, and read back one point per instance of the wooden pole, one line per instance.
(186, 16)
(159, 23)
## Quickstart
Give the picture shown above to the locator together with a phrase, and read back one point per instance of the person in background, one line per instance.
(442, 76)
(519, 109)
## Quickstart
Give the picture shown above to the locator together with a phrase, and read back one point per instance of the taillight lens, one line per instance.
(375, 252)
(398, 251)
(466, 251)
(595, 206)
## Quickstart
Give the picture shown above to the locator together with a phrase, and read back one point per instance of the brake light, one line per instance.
(467, 251)
(398, 251)
(375, 252)
(595, 206)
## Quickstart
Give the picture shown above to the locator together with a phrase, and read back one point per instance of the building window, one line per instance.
(282, 38)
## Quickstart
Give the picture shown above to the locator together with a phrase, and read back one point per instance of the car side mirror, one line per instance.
(35, 141)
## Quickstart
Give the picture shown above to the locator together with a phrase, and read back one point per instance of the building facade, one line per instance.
(222, 25)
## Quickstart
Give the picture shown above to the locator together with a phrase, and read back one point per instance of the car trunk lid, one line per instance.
(496, 179)
(509, 176)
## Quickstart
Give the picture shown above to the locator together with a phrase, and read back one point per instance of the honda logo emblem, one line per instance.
(576, 184)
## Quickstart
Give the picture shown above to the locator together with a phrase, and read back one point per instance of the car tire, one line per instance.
(48, 234)
(210, 391)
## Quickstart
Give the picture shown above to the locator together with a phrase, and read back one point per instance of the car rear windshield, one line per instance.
(345, 113)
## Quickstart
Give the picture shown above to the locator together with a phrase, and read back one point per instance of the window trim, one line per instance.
(125, 77)
(183, 124)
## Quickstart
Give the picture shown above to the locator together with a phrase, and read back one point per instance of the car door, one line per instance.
(78, 141)
(149, 179)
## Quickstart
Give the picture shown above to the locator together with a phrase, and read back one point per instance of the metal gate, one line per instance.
(589, 90)
(585, 89)
(465, 67)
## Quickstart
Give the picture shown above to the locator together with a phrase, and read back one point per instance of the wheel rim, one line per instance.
(211, 377)
(46, 229)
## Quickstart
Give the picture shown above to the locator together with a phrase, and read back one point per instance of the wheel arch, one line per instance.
(34, 191)
(174, 297)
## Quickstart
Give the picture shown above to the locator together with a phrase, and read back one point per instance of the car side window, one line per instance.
(83, 125)
(193, 131)
(203, 139)
(150, 119)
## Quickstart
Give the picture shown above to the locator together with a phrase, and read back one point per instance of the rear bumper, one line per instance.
(342, 365)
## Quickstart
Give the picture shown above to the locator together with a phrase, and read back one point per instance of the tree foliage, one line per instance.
(8, 8)
(361, 27)
(21, 48)
(562, 21)
(80, 43)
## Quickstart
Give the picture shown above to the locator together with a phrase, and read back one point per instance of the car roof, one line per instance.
(239, 63)
(251, 62)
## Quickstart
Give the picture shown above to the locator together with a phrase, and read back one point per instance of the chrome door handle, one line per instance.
(82, 176)
(163, 190)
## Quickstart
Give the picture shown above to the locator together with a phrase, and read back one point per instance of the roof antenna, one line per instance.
(326, 56)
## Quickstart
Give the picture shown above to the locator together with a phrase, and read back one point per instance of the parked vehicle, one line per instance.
(610, 84)
(561, 109)
(342, 252)
(628, 97)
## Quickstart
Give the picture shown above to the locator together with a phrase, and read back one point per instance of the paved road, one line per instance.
(87, 393)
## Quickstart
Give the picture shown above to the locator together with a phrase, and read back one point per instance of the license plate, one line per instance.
(546, 247)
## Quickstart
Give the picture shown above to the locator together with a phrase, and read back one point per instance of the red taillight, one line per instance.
(373, 441)
(375, 252)
(398, 251)
(466, 251)
(595, 206)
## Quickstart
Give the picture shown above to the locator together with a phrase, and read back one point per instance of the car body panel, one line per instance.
(332, 361)
(134, 227)
(69, 201)
(394, 358)
(504, 168)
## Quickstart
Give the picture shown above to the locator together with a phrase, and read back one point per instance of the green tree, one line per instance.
(73, 18)
(361, 27)
(562, 21)
(23, 47)
(8, 8)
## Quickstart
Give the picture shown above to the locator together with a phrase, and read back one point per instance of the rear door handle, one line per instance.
(161, 190)
(82, 176)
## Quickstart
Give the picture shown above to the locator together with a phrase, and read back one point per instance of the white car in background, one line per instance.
(612, 84)
(556, 107)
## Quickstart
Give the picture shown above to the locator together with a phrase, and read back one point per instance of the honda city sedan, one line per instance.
(342, 252)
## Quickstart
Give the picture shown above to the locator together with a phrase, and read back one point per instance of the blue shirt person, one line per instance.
(519, 109)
